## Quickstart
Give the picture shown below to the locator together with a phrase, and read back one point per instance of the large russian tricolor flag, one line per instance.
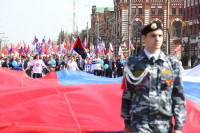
(72, 102)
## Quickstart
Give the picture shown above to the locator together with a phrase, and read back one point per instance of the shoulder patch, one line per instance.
(166, 72)
(138, 73)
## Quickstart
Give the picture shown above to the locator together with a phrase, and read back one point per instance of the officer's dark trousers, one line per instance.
(152, 125)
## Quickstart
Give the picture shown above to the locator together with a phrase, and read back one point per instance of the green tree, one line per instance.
(61, 37)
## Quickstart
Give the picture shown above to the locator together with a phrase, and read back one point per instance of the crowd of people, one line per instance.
(38, 66)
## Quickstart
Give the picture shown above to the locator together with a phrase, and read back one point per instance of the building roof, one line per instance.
(101, 9)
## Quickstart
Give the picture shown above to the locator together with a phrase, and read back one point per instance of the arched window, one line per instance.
(136, 28)
(176, 29)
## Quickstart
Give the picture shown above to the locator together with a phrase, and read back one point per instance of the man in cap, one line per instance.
(153, 91)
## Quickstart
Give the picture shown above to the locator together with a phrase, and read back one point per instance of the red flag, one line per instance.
(60, 48)
(46, 50)
(98, 50)
(52, 45)
(5, 50)
(32, 53)
(28, 50)
(78, 47)
(68, 45)
(55, 49)
(110, 49)
(12, 49)
(20, 50)
(17, 47)
(127, 44)
(104, 49)
(132, 47)
(177, 50)
(65, 46)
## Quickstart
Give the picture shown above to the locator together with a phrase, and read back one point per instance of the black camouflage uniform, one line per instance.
(149, 106)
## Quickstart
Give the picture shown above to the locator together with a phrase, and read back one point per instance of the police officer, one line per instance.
(154, 91)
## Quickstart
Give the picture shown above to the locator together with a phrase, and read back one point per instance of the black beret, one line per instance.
(151, 27)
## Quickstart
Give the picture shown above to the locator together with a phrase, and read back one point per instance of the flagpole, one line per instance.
(129, 3)
(87, 35)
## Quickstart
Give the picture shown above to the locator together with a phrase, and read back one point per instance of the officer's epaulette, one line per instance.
(173, 60)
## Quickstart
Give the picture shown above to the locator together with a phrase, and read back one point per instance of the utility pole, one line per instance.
(189, 46)
(87, 35)
(167, 30)
(0, 44)
(1, 41)
(4, 42)
(74, 23)
(129, 4)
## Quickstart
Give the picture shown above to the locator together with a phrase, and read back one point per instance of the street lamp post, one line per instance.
(4, 42)
(129, 4)
(167, 30)
(189, 46)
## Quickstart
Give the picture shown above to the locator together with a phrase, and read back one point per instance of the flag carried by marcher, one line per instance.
(35, 40)
(120, 51)
(110, 49)
(131, 45)
(78, 47)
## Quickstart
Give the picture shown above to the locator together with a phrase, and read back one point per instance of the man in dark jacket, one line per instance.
(119, 66)
(80, 63)
(109, 62)
(58, 62)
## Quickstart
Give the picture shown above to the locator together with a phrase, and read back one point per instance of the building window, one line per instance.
(159, 11)
(192, 30)
(133, 11)
(184, 34)
(180, 11)
(136, 32)
(196, 10)
(191, 13)
(176, 29)
(137, 26)
(152, 11)
(195, 32)
(139, 11)
(199, 10)
(173, 11)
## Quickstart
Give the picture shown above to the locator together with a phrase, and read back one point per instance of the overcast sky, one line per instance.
(21, 20)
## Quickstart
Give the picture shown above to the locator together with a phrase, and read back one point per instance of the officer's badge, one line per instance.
(162, 25)
(153, 26)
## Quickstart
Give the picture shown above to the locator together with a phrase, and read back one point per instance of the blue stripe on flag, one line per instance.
(69, 77)
(192, 90)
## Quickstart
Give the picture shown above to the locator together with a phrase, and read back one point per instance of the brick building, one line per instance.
(111, 24)
(143, 12)
(102, 25)
(191, 29)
